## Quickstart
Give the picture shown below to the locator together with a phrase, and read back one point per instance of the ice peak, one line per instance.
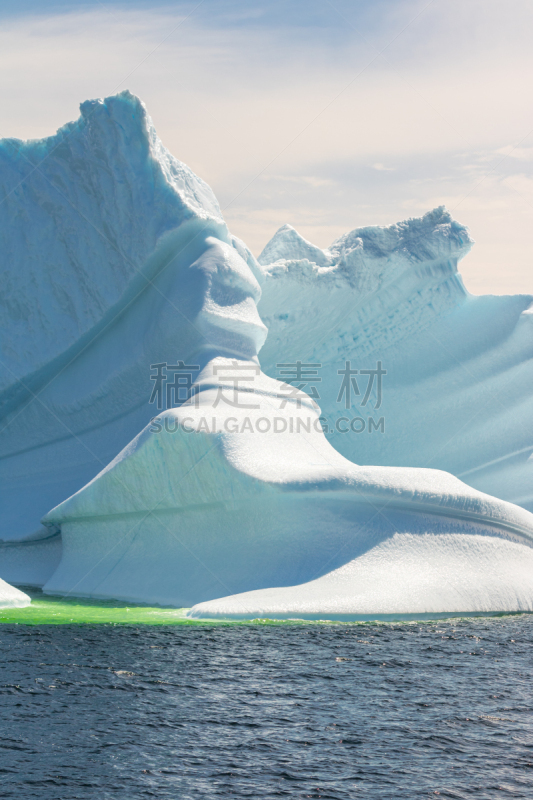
(287, 244)
(77, 231)
(124, 100)
(433, 237)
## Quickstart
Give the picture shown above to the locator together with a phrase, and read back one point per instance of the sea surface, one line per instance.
(263, 711)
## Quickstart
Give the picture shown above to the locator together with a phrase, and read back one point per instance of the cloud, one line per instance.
(292, 115)
(521, 153)
(303, 180)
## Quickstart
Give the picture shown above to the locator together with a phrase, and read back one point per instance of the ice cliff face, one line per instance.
(115, 258)
(84, 212)
(457, 393)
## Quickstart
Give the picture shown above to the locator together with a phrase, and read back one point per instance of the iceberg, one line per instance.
(146, 455)
(11, 597)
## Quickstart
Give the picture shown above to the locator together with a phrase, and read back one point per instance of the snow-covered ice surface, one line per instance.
(458, 390)
(411, 572)
(236, 490)
(11, 597)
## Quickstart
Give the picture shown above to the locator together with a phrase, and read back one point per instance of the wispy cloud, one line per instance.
(302, 180)
(521, 153)
(292, 115)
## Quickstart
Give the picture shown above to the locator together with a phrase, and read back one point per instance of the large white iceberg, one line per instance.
(231, 500)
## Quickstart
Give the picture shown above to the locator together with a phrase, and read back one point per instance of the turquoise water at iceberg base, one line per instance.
(390, 710)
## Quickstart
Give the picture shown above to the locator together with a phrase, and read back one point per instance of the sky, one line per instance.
(325, 114)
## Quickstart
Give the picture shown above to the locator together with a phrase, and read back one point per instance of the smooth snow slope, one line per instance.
(458, 390)
(417, 572)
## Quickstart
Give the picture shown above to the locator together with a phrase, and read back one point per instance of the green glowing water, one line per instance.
(48, 610)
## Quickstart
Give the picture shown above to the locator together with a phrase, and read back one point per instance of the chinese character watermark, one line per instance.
(174, 384)
(298, 382)
(172, 393)
(236, 379)
(349, 384)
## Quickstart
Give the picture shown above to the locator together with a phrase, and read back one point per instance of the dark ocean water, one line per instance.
(298, 711)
